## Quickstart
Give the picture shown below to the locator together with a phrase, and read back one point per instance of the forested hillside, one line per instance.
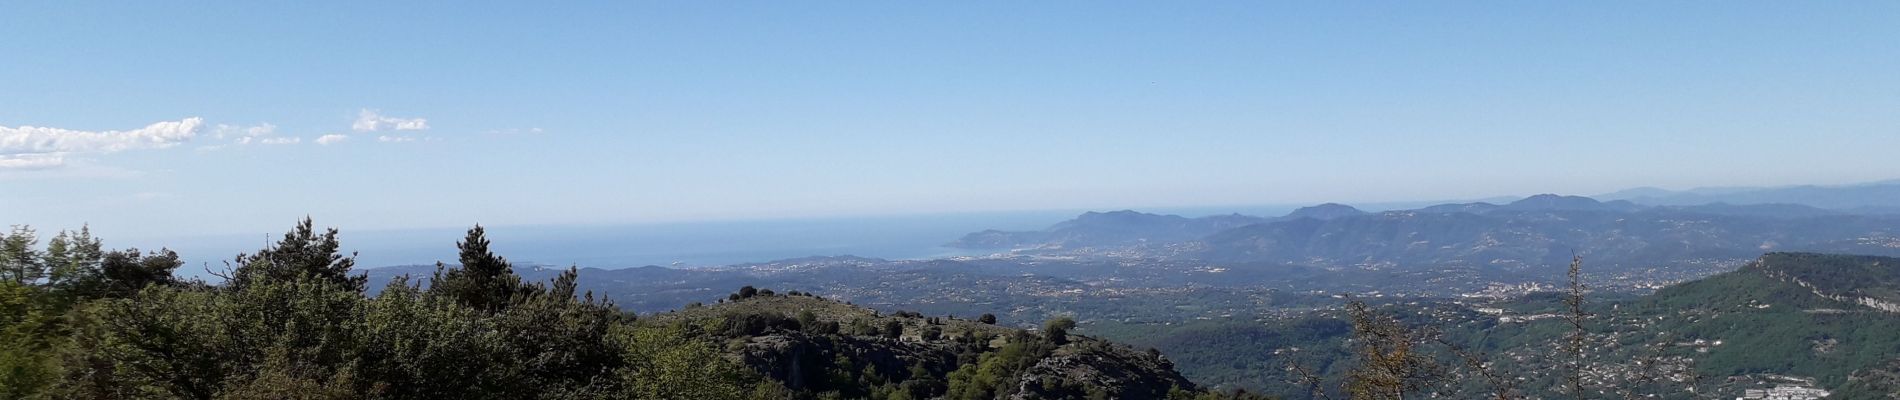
(1789, 320)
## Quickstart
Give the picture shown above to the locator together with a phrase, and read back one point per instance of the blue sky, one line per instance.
(152, 118)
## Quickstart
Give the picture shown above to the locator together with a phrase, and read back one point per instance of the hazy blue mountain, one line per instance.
(1636, 192)
(1761, 210)
(1130, 228)
(1474, 208)
(1542, 202)
(1548, 231)
(1536, 230)
(1552, 202)
(1845, 197)
(1115, 228)
(1325, 211)
(1875, 210)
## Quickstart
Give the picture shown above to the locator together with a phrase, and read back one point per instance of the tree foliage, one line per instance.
(483, 281)
(292, 322)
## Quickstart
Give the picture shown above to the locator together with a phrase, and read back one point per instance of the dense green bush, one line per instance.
(292, 321)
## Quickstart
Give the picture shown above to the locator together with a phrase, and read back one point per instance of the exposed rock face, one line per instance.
(1870, 302)
(1864, 285)
(1096, 367)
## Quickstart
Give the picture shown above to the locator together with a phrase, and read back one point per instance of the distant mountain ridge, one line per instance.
(1536, 230)
(1324, 211)
(1883, 195)
(1552, 202)
(1548, 229)
(1115, 228)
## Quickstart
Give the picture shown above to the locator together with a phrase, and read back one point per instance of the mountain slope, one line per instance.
(1782, 315)
(1757, 327)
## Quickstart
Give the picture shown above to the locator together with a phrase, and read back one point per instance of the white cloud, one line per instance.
(265, 140)
(331, 139)
(32, 147)
(261, 134)
(41, 140)
(224, 131)
(517, 131)
(31, 161)
(394, 139)
(369, 120)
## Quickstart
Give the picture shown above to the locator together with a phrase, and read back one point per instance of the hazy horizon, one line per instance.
(156, 119)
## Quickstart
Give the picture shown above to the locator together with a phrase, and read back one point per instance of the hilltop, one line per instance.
(826, 347)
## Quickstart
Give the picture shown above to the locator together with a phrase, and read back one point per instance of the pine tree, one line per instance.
(123, 273)
(19, 262)
(484, 281)
(301, 253)
(73, 262)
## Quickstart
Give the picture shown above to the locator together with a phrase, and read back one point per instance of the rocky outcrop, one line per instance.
(1852, 298)
(1097, 369)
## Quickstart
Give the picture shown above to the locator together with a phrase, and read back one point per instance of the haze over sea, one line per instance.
(683, 245)
(687, 244)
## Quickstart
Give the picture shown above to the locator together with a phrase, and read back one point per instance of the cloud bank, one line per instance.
(33, 147)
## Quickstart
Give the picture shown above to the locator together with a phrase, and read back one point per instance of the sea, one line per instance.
(610, 246)
(676, 245)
